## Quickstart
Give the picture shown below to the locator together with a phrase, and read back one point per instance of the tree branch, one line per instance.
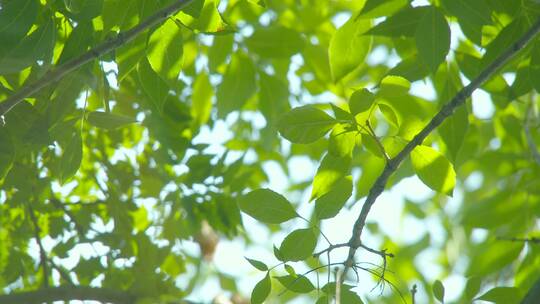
(446, 111)
(60, 71)
(68, 293)
(42, 253)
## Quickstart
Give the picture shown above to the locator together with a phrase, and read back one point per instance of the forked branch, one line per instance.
(446, 111)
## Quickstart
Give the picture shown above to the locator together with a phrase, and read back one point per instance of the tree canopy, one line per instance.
(138, 136)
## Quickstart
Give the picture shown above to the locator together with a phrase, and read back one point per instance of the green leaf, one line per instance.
(434, 169)
(472, 287)
(273, 97)
(275, 41)
(348, 47)
(7, 153)
(381, 8)
(403, 24)
(165, 50)
(534, 67)
(393, 86)
(433, 38)
(411, 68)
(71, 158)
(471, 12)
(153, 86)
(77, 43)
(173, 265)
(502, 295)
(342, 140)
(389, 114)
(16, 18)
(289, 270)
(108, 120)
(453, 131)
(329, 204)
(267, 206)
(220, 49)
(238, 85)
(201, 99)
(208, 20)
(360, 101)
(82, 10)
(304, 125)
(129, 55)
(257, 264)
(277, 254)
(36, 46)
(438, 290)
(298, 245)
(330, 171)
(506, 37)
(261, 290)
(298, 284)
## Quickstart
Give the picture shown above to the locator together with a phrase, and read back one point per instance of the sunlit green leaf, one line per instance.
(155, 88)
(330, 171)
(348, 47)
(329, 204)
(434, 169)
(201, 100)
(267, 206)
(393, 86)
(343, 140)
(360, 101)
(165, 49)
(208, 20)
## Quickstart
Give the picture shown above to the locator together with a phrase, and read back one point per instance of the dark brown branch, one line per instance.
(59, 72)
(446, 111)
(68, 293)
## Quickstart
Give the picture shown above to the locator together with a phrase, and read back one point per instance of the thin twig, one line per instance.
(376, 139)
(42, 252)
(533, 240)
(330, 248)
(413, 293)
(59, 72)
(446, 111)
